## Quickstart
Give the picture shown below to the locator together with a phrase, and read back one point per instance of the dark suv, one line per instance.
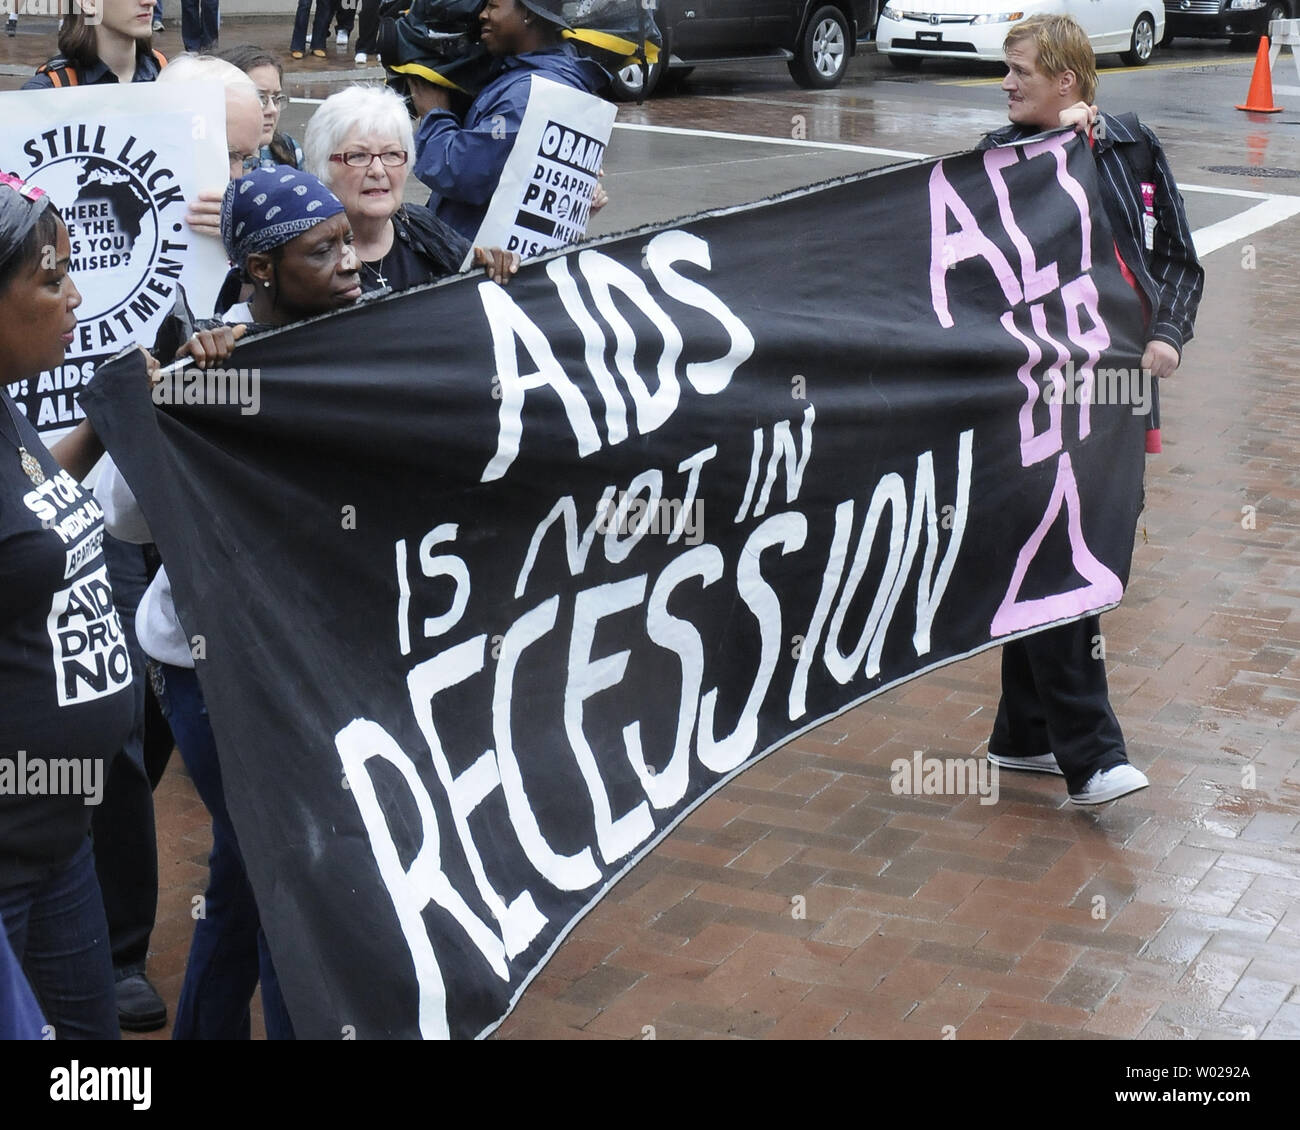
(1242, 21)
(815, 37)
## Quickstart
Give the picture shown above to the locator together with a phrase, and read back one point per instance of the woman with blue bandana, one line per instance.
(289, 237)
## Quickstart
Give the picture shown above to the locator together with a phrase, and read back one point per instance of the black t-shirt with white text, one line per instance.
(66, 703)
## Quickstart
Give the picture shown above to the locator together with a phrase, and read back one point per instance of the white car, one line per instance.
(911, 31)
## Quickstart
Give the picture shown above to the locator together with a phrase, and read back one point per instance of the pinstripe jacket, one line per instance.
(1169, 273)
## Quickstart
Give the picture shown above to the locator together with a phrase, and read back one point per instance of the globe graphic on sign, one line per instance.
(112, 228)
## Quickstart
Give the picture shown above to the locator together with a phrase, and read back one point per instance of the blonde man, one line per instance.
(1055, 714)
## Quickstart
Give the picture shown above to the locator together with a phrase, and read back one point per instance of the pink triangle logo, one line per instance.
(1103, 586)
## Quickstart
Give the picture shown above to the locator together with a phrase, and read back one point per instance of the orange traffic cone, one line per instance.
(1260, 98)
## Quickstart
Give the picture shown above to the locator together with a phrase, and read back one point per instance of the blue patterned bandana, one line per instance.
(269, 207)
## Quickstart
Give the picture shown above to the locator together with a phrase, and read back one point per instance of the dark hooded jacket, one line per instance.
(462, 164)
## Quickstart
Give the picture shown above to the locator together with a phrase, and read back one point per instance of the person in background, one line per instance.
(50, 902)
(345, 15)
(11, 24)
(358, 143)
(200, 25)
(102, 45)
(1055, 714)
(158, 24)
(320, 28)
(268, 75)
(462, 162)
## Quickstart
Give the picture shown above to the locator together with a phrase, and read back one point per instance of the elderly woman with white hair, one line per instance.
(359, 144)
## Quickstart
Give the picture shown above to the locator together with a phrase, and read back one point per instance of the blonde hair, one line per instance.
(1062, 46)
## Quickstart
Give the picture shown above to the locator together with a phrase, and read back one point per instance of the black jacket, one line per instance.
(1169, 272)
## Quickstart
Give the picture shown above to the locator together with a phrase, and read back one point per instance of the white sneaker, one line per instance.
(360, 60)
(1110, 784)
(342, 38)
(1040, 763)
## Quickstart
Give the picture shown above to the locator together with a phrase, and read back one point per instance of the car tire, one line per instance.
(822, 56)
(626, 83)
(1276, 10)
(906, 62)
(1142, 43)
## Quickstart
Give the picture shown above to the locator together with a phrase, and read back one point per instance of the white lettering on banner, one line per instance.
(574, 872)
(511, 327)
(724, 754)
(587, 678)
(667, 787)
(605, 275)
(520, 920)
(618, 834)
(573, 838)
(412, 889)
(889, 492)
(90, 656)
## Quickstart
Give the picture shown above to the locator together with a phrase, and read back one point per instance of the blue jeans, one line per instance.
(229, 952)
(320, 26)
(20, 1015)
(58, 932)
(199, 24)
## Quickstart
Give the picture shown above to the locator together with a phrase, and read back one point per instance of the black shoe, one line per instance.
(139, 1007)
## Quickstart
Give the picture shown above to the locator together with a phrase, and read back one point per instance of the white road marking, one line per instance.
(715, 135)
(1286, 89)
(1244, 224)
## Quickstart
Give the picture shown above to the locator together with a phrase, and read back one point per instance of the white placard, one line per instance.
(543, 199)
(120, 162)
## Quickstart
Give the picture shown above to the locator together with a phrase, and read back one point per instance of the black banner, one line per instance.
(495, 585)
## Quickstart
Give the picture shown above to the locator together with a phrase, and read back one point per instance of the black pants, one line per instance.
(320, 25)
(345, 15)
(126, 851)
(1055, 700)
